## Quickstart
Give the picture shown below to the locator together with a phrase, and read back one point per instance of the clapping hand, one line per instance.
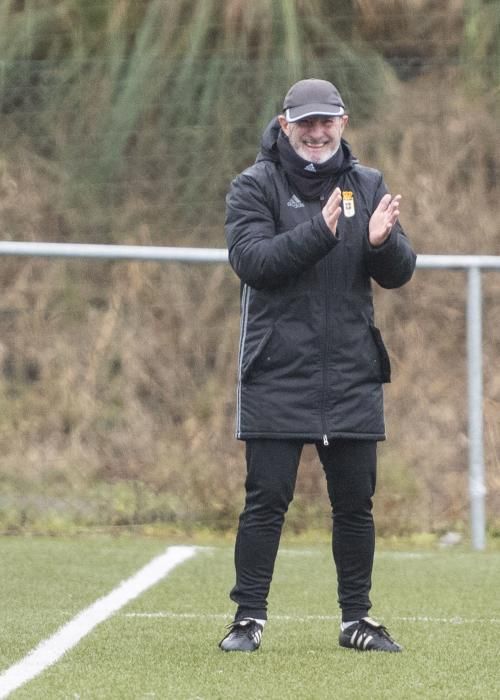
(383, 219)
(332, 210)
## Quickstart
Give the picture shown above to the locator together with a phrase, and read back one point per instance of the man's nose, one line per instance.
(316, 127)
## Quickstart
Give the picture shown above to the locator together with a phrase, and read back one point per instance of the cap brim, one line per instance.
(294, 114)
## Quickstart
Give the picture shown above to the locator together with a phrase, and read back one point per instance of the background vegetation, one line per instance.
(124, 121)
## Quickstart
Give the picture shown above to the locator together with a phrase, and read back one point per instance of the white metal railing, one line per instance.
(472, 263)
(114, 252)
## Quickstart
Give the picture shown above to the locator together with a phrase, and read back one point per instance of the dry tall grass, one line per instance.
(117, 379)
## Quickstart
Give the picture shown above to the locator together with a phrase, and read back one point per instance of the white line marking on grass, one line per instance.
(52, 649)
(325, 550)
(451, 620)
(310, 618)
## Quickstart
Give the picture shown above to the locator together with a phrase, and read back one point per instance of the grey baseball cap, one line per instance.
(312, 97)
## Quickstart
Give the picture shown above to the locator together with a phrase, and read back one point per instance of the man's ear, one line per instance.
(285, 126)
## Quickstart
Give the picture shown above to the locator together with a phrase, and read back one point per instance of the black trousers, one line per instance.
(350, 467)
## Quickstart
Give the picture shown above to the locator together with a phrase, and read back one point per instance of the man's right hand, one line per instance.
(332, 210)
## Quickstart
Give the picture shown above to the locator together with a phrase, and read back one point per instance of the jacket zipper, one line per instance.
(325, 371)
(325, 355)
(340, 183)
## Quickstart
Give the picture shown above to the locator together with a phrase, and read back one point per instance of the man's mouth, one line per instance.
(316, 145)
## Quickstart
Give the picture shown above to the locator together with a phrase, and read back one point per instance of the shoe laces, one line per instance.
(367, 624)
(243, 626)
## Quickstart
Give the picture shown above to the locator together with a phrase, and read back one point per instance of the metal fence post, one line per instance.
(477, 488)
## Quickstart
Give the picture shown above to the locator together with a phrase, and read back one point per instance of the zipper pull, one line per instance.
(325, 440)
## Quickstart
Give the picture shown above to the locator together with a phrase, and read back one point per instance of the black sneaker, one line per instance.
(243, 635)
(368, 635)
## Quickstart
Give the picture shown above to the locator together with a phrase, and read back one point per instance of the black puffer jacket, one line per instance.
(311, 361)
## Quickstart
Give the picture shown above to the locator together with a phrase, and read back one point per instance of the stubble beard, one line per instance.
(321, 157)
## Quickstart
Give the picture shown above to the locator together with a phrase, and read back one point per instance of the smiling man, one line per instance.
(315, 139)
(308, 229)
(314, 136)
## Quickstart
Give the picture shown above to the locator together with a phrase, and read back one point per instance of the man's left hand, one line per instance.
(383, 219)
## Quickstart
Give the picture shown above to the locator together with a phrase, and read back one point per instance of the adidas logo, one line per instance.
(360, 639)
(310, 167)
(256, 635)
(295, 202)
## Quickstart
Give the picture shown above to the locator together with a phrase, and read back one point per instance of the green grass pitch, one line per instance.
(442, 605)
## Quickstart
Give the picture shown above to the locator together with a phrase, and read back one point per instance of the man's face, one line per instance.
(315, 139)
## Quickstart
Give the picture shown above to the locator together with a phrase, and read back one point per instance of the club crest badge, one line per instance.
(348, 203)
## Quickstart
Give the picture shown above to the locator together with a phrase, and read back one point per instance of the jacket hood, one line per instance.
(269, 149)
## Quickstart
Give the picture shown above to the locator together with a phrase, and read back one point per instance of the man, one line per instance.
(308, 228)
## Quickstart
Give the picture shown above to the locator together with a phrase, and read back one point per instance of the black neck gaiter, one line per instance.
(310, 179)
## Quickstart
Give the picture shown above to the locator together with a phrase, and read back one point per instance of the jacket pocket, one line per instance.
(385, 363)
(249, 365)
